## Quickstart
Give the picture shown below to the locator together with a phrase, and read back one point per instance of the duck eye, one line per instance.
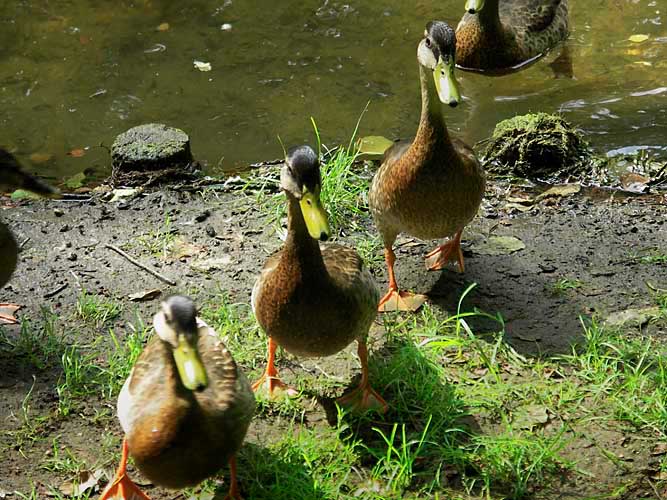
(428, 43)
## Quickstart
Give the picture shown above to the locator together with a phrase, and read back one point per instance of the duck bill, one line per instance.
(190, 366)
(315, 216)
(445, 83)
(473, 6)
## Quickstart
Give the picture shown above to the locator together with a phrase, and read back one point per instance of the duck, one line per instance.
(313, 300)
(497, 36)
(430, 187)
(13, 177)
(185, 408)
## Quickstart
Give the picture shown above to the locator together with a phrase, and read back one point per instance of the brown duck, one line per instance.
(432, 186)
(312, 300)
(185, 408)
(505, 35)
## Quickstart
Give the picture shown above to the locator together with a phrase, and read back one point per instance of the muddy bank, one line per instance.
(539, 262)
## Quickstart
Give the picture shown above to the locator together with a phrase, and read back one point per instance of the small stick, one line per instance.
(55, 292)
(142, 266)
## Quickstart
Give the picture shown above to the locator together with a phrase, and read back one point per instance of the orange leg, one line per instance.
(233, 493)
(395, 300)
(270, 379)
(122, 487)
(363, 398)
(445, 253)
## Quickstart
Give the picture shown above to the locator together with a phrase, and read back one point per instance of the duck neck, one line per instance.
(432, 127)
(489, 18)
(300, 247)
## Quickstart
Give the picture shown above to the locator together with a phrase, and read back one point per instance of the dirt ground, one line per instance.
(590, 240)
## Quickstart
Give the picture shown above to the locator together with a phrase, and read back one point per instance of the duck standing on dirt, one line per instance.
(433, 186)
(185, 408)
(497, 35)
(312, 300)
(13, 177)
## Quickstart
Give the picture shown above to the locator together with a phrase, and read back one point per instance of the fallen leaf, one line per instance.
(145, 295)
(202, 66)
(660, 449)
(77, 153)
(530, 416)
(76, 181)
(119, 194)
(632, 317)
(638, 38)
(163, 27)
(374, 145)
(560, 190)
(78, 486)
(659, 476)
(634, 182)
(498, 245)
(7, 312)
(38, 158)
(21, 194)
(206, 265)
(182, 249)
(518, 206)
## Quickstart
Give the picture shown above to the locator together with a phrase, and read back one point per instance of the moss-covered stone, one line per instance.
(540, 147)
(150, 154)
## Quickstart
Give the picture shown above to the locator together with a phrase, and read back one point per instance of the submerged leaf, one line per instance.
(76, 181)
(374, 145)
(498, 245)
(638, 38)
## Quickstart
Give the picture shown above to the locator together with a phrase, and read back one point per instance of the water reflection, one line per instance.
(75, 73)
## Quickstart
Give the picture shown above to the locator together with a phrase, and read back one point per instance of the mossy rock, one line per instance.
(150, 154)
(540, 147)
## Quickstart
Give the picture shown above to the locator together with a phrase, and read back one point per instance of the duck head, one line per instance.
(300, 178)
(176, 324)
(474, 6)
(437, 53)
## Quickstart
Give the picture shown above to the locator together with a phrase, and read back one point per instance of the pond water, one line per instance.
(75, 73)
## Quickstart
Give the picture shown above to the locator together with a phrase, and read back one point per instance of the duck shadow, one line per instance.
(535, 318)
(263, 474)
(422, 405)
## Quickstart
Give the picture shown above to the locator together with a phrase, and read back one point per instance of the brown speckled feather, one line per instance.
(520, 31)
(312, 300)
(178, 437)
(429, 188)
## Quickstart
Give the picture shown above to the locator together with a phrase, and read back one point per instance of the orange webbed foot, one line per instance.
(362, 399)
(443, 254)
(396, 300)
(273, 387)
(122, 488)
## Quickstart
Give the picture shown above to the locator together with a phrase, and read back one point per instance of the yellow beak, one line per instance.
(190, 366)
(473, 6)
(445, 83)
(315, 215)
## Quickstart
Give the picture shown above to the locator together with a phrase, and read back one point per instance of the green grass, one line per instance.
(344, 187)
(160, 241)
(97, 310)
(561, 286)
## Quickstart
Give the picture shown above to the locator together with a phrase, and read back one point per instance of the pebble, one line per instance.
(201, 217)
(64, 228)
(58, 212)
(72, 257)
(210, 230)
